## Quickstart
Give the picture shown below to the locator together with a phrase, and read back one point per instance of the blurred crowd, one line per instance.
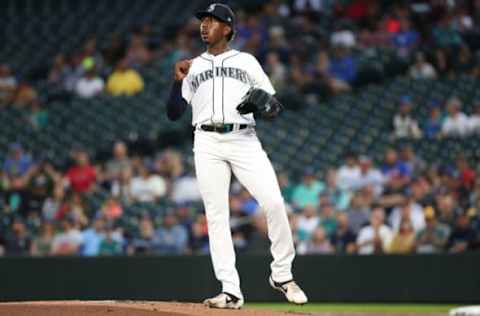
(311, 49)
(398, 205)
(443, 121)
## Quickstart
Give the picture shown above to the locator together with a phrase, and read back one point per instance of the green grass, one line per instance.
(385, 308)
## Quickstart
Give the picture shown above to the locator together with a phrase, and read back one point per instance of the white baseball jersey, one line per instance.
(215, 86)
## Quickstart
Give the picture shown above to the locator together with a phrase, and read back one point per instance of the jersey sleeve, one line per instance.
(259, 77)
(187, 92)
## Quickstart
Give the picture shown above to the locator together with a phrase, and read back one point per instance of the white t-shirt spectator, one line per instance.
(406, 126)
(423, 71)
(347, 177)
(458, 125)
(417, 217)
(374, 178)
(344, 38)
(185, 189)
(306, 225)
(147, 189)
(367, 234)
(87, 88)
(474, 124)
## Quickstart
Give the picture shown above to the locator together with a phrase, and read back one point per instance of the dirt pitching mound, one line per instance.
(122, 308)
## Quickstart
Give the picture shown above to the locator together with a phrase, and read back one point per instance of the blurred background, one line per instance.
(377, 151)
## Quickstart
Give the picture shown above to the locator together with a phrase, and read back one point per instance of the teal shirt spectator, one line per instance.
(304, 193)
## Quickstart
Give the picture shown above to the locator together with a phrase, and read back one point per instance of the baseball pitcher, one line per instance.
(225, 88)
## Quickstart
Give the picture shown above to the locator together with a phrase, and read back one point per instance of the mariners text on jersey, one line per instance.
(229, 72)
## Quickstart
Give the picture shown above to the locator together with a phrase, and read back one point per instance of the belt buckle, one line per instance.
(217, 127)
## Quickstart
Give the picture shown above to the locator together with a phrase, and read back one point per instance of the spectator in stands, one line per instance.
(17, 241)
(415, 164)
(433, 125)
(74, 207)
(199, 238)
(466, 177)
(120, 188)
(358, 212)
(8, 85)
(169, 164)
(404, 240)
(138, 54)
(406, 39)
(343, 37)
(348, 174)
(462, 237)
(18, 162)
(147, 187)
(396, 173)
(41, 180)
(82, 176)
(25, 95)
(317, 244)
(456, 123)
(89, 85)
(375, 238)
(170, 238)
(92, 237)
(90, 52)
(38, 117)
(119, 162)
(110, 210)
(339, 197)
(410, 211)
(445, 36)
(422, 69)
(433, 238)
(42, 244)
(343, 239)
(343, 68)
(109, 245)
(447, 209)
(328, 218)
(307, 221)
(369, 177)
(144, 242)
(464, 63)
(276, 70)
(404, 125)
(185, 189)
(68, 241)
(474, 119)
(124, 80)
(307, 192)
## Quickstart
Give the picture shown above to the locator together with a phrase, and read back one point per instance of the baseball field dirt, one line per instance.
(135, 308)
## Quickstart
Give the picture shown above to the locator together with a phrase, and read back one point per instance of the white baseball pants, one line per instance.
(216, 157)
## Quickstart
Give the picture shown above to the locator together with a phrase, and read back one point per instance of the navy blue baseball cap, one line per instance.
(219, 11)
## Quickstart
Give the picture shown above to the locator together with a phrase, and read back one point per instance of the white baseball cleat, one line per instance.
(291, 290)
(224, 300)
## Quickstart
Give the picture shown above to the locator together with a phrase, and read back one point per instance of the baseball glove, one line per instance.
(259, 102)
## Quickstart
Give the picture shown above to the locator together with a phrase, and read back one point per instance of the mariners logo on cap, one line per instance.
(211, 8)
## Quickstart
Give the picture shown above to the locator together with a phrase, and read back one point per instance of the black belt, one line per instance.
(223, 128)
